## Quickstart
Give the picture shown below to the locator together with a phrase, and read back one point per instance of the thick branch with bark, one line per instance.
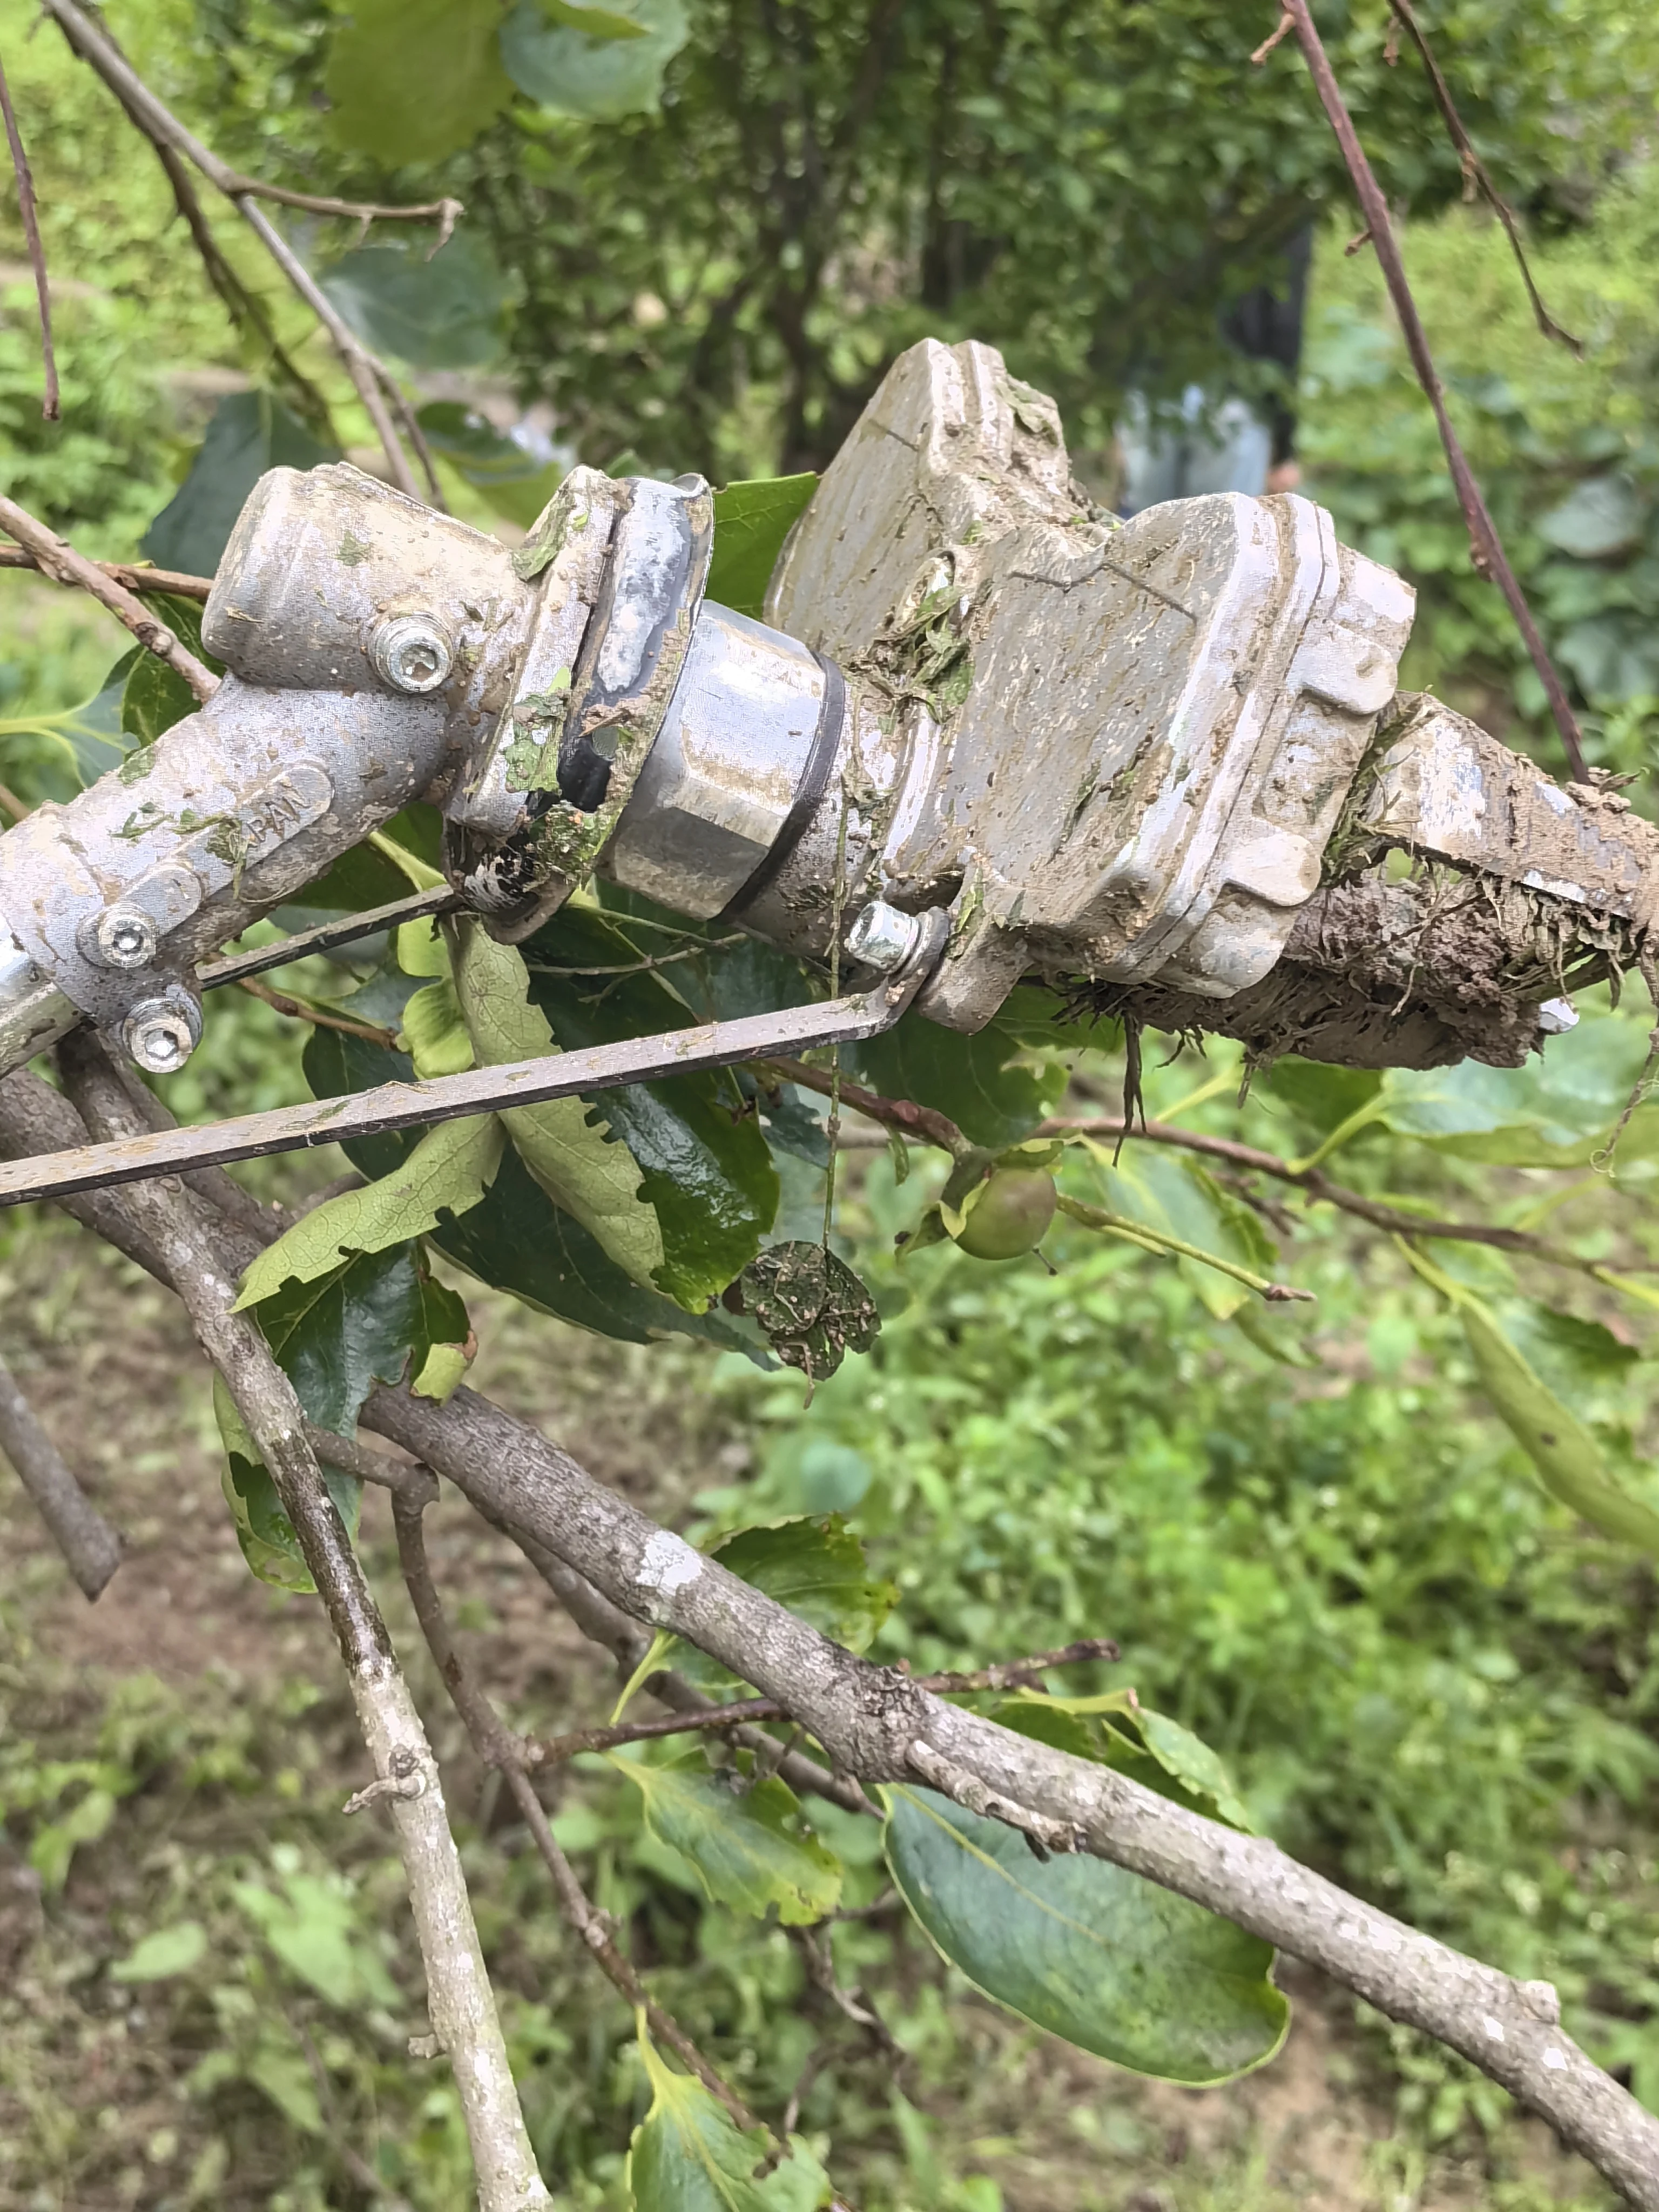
(619, 1567)
(91, 1548)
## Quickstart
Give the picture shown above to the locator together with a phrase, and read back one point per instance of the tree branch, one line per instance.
(924, 1122)
(19, 162)
(370, 376)
(459, 1999)
(127, 573)
(1490, 559)
(869, 1719)
(91, 1548)
(56, 558)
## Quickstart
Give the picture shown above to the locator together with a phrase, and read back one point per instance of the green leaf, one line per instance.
(512, 480)
(336, 1336)
(434, 1032)
(575, 73)
(91, 738)
(594, 22)
(446, 313)
(688, 2155)
(752, 1851)
(1117, 1730)
(1555, 1112)
(413, 79)
(263, 1529)
(154, 696)
(1090, 1952)
(1602, 516)
(705, 1165)
(582, 1168)
(448, 1172)
(313, 1926)
(250, 432)
(969, 1078)
(752, 517)
(1168, 1192)
(164, 1951)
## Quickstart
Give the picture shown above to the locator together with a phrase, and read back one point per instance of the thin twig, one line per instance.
(25, 208)
(370, 1032)
(131, 574)
(1159, 1240)
(900, 1114)
(58, 559)
(1490, 559)
(91, 1548)
(370, 376)
(496, 1747)
(1476, 176)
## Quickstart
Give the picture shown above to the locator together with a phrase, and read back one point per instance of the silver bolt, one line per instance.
(412, 653)
(1557, 1015)
(881, 937)
(160, 1034)
(127, 937)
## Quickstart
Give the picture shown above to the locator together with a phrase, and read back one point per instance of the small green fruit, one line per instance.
(1011, 1214)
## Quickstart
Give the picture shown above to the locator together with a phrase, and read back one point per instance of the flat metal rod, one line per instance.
(446, 1098)
(326, 937)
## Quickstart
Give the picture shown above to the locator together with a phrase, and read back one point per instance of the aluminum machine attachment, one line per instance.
(1161, 765)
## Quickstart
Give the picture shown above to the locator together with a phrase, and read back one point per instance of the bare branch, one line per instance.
(370, 1032)
(370, 376)
(1477, 176)
(497, 1748)
(459, 2000)
(91, 1548)
(37, 252)
(924, 1122)
(1490, 559)
(58, 559)
(127, 573)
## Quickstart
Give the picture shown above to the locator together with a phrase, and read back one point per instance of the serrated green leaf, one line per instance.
(575, 73)
(752, 1851)
(413, 79)
(448, 1172)
(969, 1078)
(688, 2155)
(446, 313)
(1092, 1952)
(338, 1334)
(250, 432)
(583, 1170)
(752, 517)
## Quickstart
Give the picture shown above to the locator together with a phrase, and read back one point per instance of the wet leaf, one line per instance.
(751, 1850)
(688, 2155)
(811, 1305)
(250, 432)
(969, 1078)
(576, 73)
(376, 1316)
(413, 79)
(1097, 1955)
(752, 517)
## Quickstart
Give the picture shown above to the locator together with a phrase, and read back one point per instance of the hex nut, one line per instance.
(126, 937)
(412, 653)
(159, 1034)
(881, 937)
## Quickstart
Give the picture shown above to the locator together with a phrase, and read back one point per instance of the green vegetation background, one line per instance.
(1342, 1574)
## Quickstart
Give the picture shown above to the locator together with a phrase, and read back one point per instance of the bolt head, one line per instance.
(127, 937)
(160, 1034)
(881, 937)
(412, 653)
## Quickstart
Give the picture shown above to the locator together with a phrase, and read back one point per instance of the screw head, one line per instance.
(159, 1034)
(127, 937)
(412, 653)
(881, 937)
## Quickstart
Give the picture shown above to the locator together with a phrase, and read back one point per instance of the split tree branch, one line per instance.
(25, 208)
(91, 1548)
(868, 1719)
(372, 380)
(1490, 558)
(56, 558)
(459, 1999)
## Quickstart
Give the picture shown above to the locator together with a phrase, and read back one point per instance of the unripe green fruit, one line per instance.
(1010, 1215)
